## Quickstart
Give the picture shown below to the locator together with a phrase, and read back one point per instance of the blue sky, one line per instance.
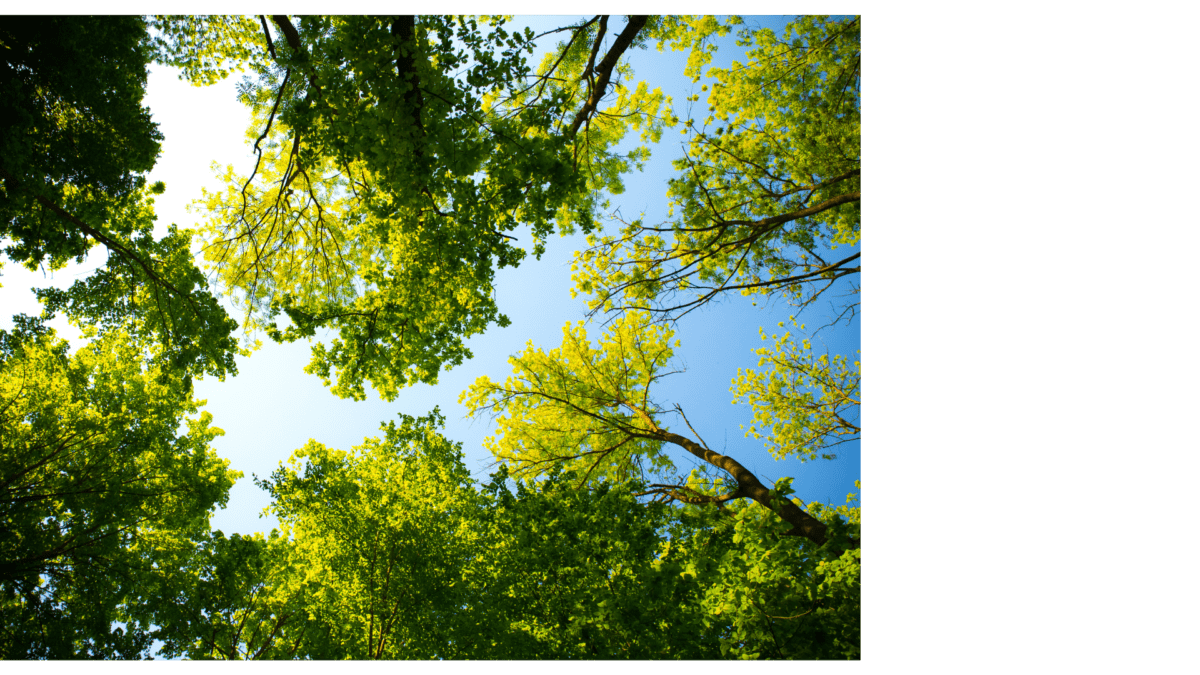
(272, 407)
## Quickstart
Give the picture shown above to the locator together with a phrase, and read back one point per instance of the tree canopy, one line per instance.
(771, 172)
(399, 163)
(77, 144)
(394, 158)
(104, 461)
(391, 551)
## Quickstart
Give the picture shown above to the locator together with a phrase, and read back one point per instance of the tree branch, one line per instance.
(404, 30)
(270, 42)
(604, 70)
(109, 243)
(803, 524)
(289, 32)
(796, 215)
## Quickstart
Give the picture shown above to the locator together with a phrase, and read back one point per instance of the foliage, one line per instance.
(575, 77)
(577, 405)
(395, 157)
(574, 573)
(77, 142)
(382, 197)
(219, 598)
(169, 303)
(398, 159)
(594, 573)
(207, 48)
(381, 531)
(769, 177)
(590, 409)
(76, 132)
(96, 475)
(367, 565)
(772, 596)
(801, 404)
(389, 551)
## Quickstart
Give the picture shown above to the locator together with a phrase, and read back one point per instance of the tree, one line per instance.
(778, 578)
(397, 160)
(758, 199)
(382, 529)
(749, 571)
(596, 572)
(570, 573)
(78, 137)
(771, 596)
(95, 478)
(229, 598)
(76, 146)
(390, 551)
(395, 156)
(590, 408)
(759, 195)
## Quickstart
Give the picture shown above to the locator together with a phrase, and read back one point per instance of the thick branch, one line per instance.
(289, 31)
(796, 215)
(802, 523)
(112, 245)
(293, 40)
(589, 70)
(404, 29)
(604, 70)
(270, 42)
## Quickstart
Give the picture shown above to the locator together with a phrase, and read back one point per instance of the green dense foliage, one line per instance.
(389, 551)
(75, 145)
(398, 160)
(98, 481)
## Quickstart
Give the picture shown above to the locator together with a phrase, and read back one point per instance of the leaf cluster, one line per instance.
(578, 405)
(804, 404)
(769, 176)
(391, 551)
(76, 132)
(77, 144)
(102, 458)
(384, 193)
